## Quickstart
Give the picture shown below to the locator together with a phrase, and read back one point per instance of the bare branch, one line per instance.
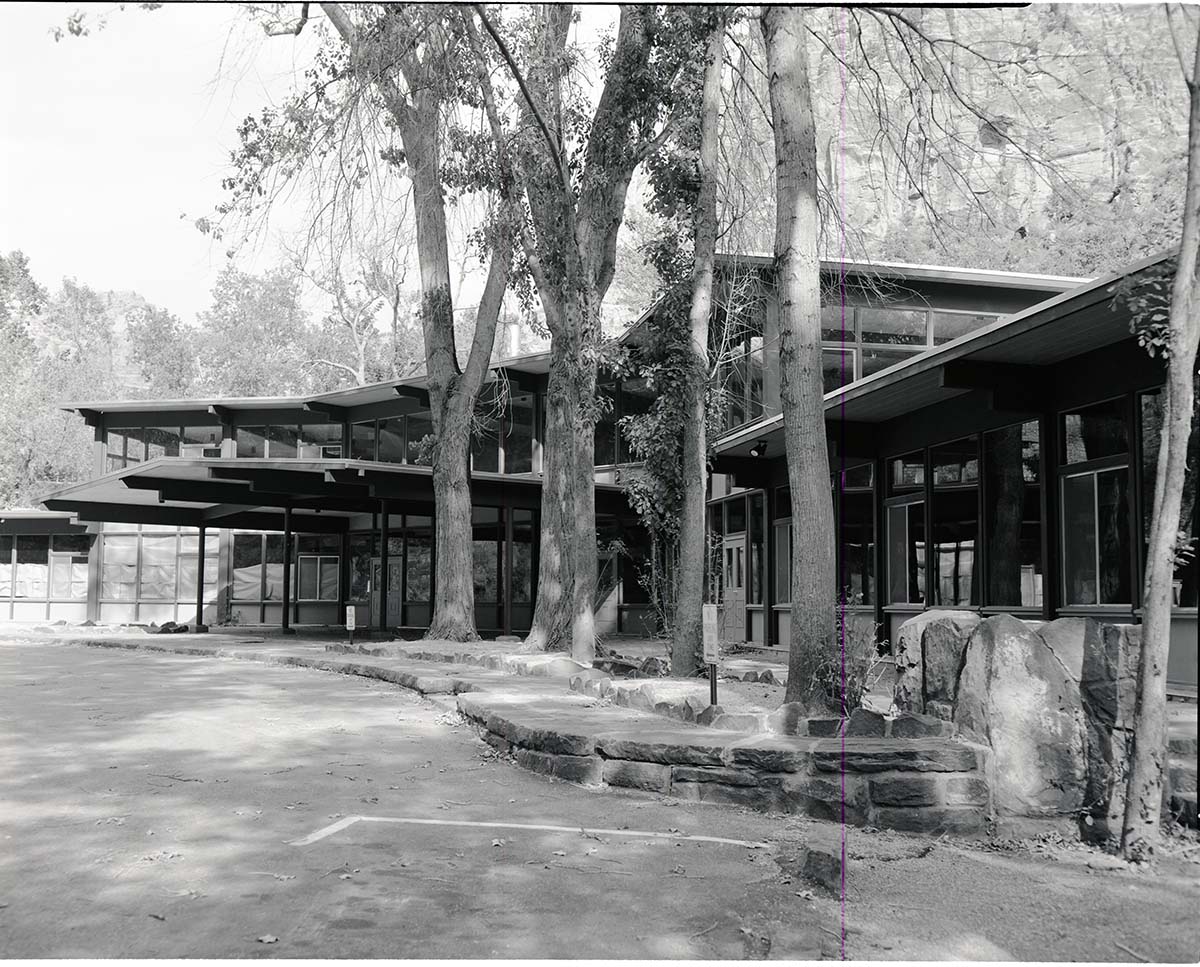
(292, 29)
(551, 141)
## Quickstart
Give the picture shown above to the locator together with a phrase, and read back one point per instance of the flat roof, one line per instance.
(539, 363)
(242, 491)
(926, 272)
(1065, 325)
(533, 364)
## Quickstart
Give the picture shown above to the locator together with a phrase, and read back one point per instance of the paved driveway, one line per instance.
(167, 806)
(149, 803)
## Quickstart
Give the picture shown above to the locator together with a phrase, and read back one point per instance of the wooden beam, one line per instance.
(91, 417)
(40, 525)
(301, 523)
(128, 513)
(221, 511)
(972, 374)
(329, 409)
(299, 482)
(414, 393)
(222, 413)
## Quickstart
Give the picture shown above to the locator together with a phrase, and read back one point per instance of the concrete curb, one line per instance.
(423, 684)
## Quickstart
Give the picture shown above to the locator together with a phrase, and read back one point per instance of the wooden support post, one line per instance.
(285, 625)
(200, 627)
(385, 534)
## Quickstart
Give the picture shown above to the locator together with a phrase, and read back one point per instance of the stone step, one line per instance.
(1183, 745)
(1182, 776)
(921, 785)
(1183, 805)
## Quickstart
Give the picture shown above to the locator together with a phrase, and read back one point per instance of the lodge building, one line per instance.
(992, 445)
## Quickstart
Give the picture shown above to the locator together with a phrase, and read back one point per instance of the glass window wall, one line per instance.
(1013, 515)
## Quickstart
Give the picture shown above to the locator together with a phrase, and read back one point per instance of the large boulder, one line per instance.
(1015, 693)
(1108, 691)
(928, 655)
(943, 645)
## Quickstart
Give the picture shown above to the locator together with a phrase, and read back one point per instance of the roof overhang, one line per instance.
(1015, 352)
(321, 496)
(38, 522)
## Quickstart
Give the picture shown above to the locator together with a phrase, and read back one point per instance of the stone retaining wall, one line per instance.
(923, 785)
(688, 702)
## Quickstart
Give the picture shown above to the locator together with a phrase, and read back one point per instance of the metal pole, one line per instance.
(712, 684)
(200, 625)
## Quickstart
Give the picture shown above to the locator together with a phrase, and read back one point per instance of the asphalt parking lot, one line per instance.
(165, 806)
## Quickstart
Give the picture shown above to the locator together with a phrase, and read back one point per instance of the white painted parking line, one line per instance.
(348, 821)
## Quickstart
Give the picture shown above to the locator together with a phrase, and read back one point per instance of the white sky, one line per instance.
(106, 140)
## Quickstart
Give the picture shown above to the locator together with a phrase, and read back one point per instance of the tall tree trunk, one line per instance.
(452, 389)
(689, 599)
(551, 626)
(797, 275)
(1143, 802)
(453, 585)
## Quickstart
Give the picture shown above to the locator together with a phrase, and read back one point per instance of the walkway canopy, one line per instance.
(321, 496)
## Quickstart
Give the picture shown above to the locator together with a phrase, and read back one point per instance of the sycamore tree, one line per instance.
(377, 100)
(902, 71)
(573, 150)
(1167, 315)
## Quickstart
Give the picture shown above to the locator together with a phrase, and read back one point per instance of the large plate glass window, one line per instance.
(160, 554)
(391, 441)
(518, 434)
(320, 441)
(1096, 537)
(251, 441)
(948, 326)
(954, 518)
(33, 566)
(905, 519)
(69, 566)
(247, 566)
(118, 570)
(200, 441)
(837, 368)
(1095, 496)
(420, 426)
(362, 441)
(854, 501)
(755, 564)
(6, 565)
(1013, 515)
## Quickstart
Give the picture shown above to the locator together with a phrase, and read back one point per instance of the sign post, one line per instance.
(711, 653)
(350, 622)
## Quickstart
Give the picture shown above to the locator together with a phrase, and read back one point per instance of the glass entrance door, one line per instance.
(734, 593)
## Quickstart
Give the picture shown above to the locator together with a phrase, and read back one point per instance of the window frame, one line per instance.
(321, 560)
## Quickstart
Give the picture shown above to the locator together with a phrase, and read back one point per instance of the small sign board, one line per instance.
(711, 635)
(350, 617)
